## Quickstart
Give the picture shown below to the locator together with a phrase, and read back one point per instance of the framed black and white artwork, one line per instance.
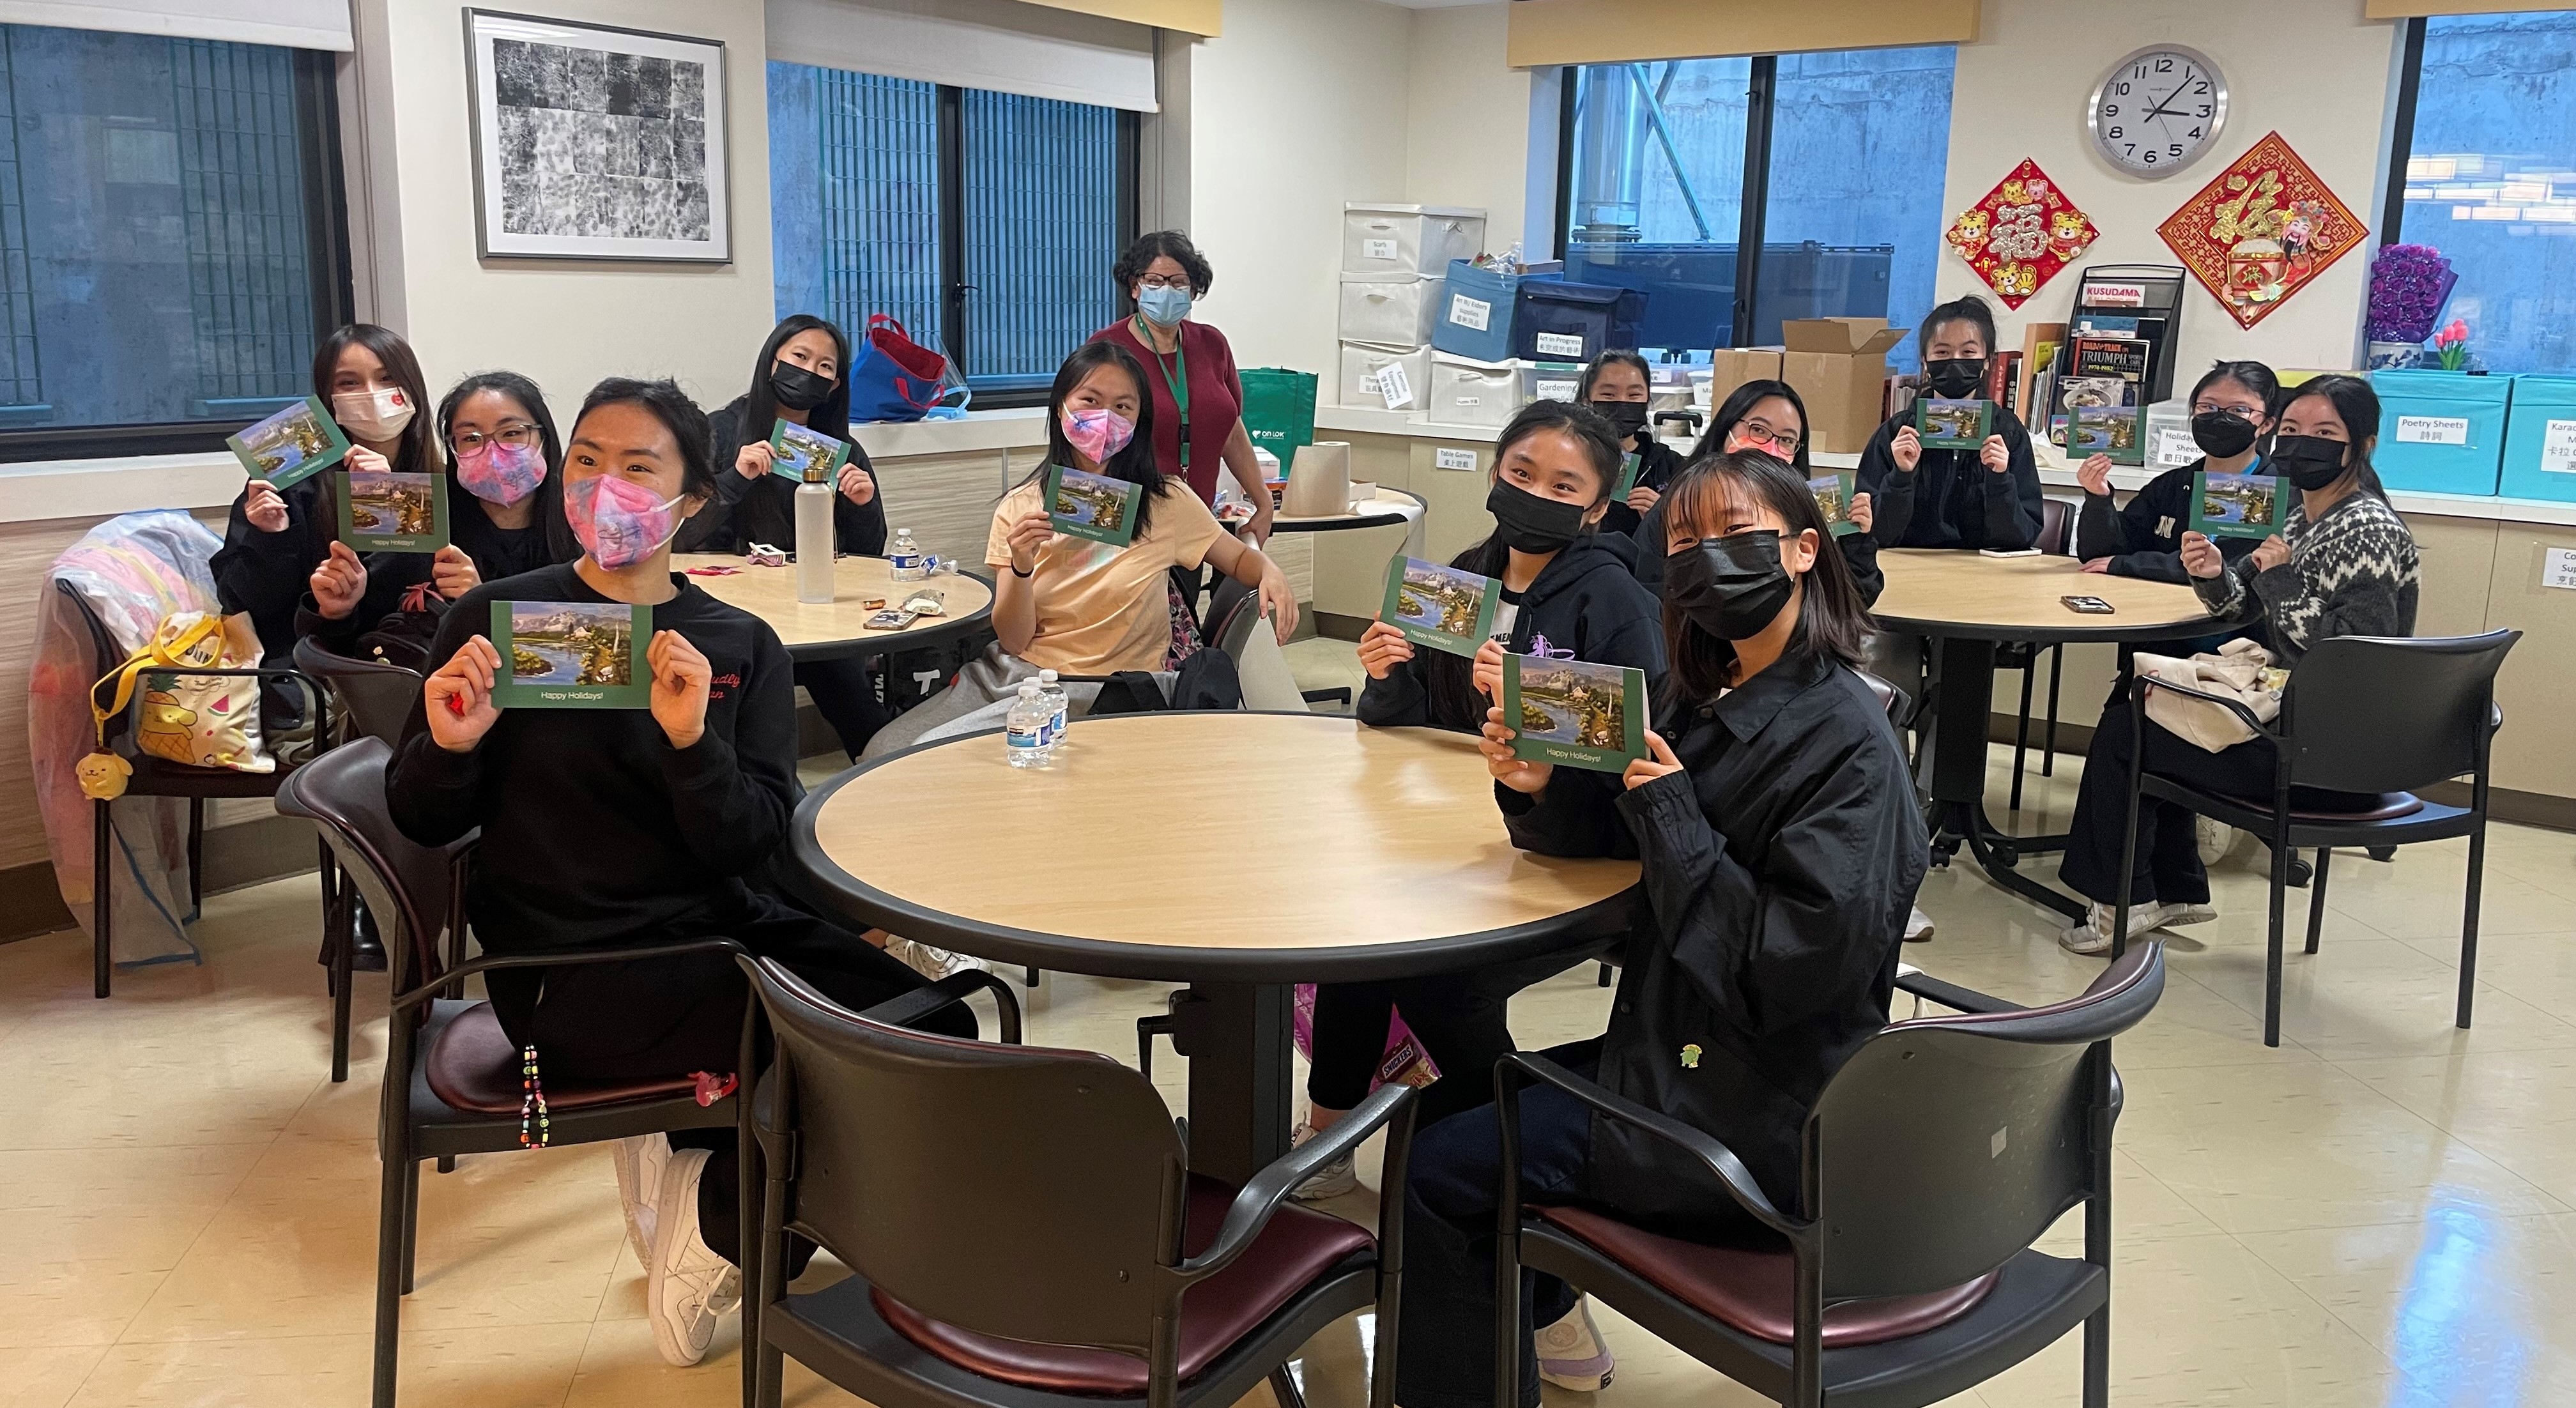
(593, 142)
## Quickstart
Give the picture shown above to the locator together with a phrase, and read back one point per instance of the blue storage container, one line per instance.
(1476, 311)
(2540, 439)
(2440, 432)
(1562, 322)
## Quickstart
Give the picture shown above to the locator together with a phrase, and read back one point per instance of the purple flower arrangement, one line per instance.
(2409, 283)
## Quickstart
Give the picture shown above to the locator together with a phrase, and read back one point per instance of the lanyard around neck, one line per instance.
(1178, 381)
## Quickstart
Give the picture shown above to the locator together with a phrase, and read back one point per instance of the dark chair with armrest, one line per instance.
(1936, 1156)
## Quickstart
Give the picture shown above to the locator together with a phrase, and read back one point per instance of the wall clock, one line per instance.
(2158, 110)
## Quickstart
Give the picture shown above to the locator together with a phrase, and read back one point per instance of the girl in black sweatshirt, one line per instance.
(1988, 497)
(624, 827)
(1618, 387)
(1771, 418)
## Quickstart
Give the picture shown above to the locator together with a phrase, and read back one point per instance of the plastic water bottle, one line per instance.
(1051, 689)
(1026, 729)
(814, 542)
(908, 566)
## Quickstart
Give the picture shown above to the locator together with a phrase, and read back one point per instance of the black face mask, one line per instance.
(2307, 461)
(2222, 434)
(1731, 587)
(1963, 376)
(1626, 417)
(798, 389)
(1525, 521)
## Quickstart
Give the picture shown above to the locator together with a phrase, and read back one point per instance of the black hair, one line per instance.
(1969, 309)
(418, 451)
(561, 545)
(2357, 406)
(1831, 620)
(830, 418)
(1135, 463)
(680, 415)
(2253, 376)
(1161, 244)
(1607, 360)
(1739, 403)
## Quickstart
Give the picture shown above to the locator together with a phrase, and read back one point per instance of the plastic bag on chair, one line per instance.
(2241, 670)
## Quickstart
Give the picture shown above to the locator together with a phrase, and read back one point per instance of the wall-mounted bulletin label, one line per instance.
(2432, 430)
(2558, 568)
(1459, 459)
(1470, 312)
(2558, 447)
(1377, 249)
(1560, 344)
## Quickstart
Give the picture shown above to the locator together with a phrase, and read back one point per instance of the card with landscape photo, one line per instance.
(291, 446)
(805, 456)
(2239, 505)
(1943, 424)
(1834, 501)
(1444, 608)
(1575, 714)
(393, 511)
(1091, 506)
(1627, 478)
(572, 654)
(2116, 432)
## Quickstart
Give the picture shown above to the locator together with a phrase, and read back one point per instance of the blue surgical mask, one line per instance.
(1163, 307)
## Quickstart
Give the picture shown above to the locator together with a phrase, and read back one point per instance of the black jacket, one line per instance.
(763, 510)
(1859, 550)
(1951, 500)
(1778, 871)
(1656, 466)
(497, 553)
(2144, 537)
(1584, 600)
(267, 574)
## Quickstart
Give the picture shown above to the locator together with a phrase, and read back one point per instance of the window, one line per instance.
(2486, 146)
(1845, 153)
(880, 187)
(171, 244)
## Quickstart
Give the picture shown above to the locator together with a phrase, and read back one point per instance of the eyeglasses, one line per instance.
(1178, 281)
(518, 435)
(2203, 408)
(1786, 440)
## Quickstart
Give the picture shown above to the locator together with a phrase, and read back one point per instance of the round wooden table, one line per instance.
(1380, 854)
(1968, 603)
(837, 629)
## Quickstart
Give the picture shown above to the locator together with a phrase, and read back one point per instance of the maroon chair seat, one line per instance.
(1297, 1247)
(473, 1067)
(1751, 1290)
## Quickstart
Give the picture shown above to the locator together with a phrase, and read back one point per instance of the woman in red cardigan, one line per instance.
(1189, 370)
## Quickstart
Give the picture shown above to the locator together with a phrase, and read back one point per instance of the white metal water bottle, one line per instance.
(1051, 689)
(814, 541)
(1025, 729)
(906, 556)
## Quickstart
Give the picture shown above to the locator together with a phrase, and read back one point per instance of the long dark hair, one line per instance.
(2357, 406)
(832, 417)
(678, 414)
(1607, 360)
(1969, 309)
(418, 453)
(1831, 620)
(1136, 463)
(561, 545)
(1739, 403)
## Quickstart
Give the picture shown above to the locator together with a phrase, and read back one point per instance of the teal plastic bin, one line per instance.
(2540, 439)
(2440, 432)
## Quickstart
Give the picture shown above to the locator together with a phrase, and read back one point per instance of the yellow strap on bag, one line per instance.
(102, 775)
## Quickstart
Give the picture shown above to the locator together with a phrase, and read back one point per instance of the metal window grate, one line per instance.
(21, 379)
(1041, 229)
(242, 191)
(879, 142)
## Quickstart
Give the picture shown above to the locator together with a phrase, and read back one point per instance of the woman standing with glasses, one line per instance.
(1189, 371)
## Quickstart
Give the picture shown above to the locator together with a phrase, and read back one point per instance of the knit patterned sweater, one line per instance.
(2353, 572)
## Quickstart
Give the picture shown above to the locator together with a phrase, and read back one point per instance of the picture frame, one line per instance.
(594, 141)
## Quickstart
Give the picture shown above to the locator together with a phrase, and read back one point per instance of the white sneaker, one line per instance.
(640, 1161)
(2214, 838)
(1571, 1354)
(2190, 914)
(687, 1287)
(2092, 938)
(1332, 1180)
(931, 963)
(1918, 926)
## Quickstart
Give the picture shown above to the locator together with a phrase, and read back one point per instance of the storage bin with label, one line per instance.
(2440, 432)
(1476, 311)
(2540, 439)
(1563, 322)
(1551, 381)
(1385, 378)
(1408, 239)
(1391, 310)
(1466, 391)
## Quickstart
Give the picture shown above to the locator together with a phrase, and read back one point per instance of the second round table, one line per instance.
(837, 629)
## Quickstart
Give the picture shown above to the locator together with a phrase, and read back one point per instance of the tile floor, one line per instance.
(2382, 1211)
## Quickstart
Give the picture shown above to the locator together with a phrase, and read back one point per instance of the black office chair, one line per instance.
(372, 699)
(2374, 716)
(2056, 538)
(1021, 1227)
(1904, 1273)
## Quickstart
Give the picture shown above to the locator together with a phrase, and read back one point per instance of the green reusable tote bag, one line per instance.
(1279, 410)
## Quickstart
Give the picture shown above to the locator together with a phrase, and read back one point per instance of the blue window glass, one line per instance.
(2491, 181)
(1658, 191)
(1042, 193)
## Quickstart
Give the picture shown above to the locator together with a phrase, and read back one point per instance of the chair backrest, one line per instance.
(342, 792)
(2056, 516)
(1948, 1144)
(2391, 713)
(1008, 1190)
(104, 656)
(1890, 697)
(377, 696)
(1261, 669)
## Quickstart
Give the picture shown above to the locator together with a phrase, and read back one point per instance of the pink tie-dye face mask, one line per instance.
(619, 522)
(501, 474)
(1098, 433)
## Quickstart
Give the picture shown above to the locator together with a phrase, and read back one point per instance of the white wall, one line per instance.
(1469, 138)
(2314, 70)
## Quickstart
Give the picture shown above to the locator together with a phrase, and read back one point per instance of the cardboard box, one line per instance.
(1731, 367)
(1839, 367)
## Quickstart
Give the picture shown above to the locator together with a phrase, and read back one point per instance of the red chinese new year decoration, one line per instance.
(2265, 227)
(2021, 234)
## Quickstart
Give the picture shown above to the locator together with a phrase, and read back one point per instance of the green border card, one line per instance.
(403, 512)
(2239, 505)
(1586, 715)
(599, 644)
(1452, 609)
(1080, 504)
(1627, 478)
(291, 446)
(1961, 425)
(802, 455)
(2119, 432)
(1834, 501)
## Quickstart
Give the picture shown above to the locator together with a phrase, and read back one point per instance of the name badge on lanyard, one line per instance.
(1178, 381)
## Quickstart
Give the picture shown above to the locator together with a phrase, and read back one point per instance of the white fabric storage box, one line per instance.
(1367, 380)
(1465, 391)
(1391, 310)
(1409, 239)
